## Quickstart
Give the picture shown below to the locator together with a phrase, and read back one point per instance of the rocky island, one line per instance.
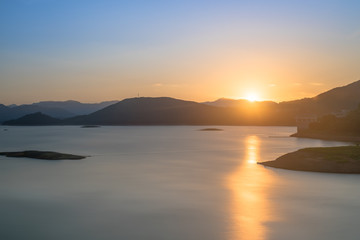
(45, 155)
(344, 159)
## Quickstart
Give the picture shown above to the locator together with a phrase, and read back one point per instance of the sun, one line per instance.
(252, 97)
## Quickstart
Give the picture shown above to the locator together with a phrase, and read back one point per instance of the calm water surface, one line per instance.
(170, 183)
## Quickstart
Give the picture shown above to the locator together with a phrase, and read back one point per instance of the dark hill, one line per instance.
(346, 97)
(335, 100)
(227, 102)
(9, 113)
(55, 112)
(34, 119)
(158, 111)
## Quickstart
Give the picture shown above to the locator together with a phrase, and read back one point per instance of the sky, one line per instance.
(98, 50)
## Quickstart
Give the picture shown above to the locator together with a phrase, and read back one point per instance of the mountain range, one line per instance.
(55, 109)
(170, 111)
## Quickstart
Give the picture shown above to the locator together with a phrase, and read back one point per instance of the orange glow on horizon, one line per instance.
(252, 97)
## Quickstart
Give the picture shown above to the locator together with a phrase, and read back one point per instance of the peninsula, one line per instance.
(345, 159)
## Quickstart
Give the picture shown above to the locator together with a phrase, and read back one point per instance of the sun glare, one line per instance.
(252, 97)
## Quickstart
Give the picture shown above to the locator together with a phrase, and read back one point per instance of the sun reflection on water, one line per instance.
(252, 145)
(249, 187)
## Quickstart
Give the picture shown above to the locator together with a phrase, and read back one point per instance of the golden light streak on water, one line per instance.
(249, 206)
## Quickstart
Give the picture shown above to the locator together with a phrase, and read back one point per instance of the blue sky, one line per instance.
(197, 50)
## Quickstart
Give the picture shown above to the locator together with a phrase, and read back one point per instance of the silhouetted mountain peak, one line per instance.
(352, 89)
(34, 119)
(75, 107)
(155, 100)
(150, 103)
(155, 111)
(337, 99)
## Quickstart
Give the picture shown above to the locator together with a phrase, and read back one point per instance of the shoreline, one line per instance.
(329, 137)
(345, 159)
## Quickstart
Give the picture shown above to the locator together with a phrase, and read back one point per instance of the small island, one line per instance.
(211, 129)
(90, 126)
(45, 155)
(344, 159)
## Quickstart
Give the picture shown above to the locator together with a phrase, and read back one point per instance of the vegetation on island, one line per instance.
(348, 125)
(331, 127)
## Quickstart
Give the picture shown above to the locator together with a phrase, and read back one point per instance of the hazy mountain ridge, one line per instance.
(56, 109)
(75, 107)
(170, 111)
(8, 113)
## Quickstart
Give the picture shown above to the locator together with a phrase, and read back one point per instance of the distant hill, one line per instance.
(51, 111)
(239, 103)
(75, 107)
(227, 102)
(3, 107)
(8, 113)
(157, 111)
(335, 100)
(56, 109)
(34, 119)
(12, 105)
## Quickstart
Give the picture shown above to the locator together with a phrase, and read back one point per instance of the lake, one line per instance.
(170, 182)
